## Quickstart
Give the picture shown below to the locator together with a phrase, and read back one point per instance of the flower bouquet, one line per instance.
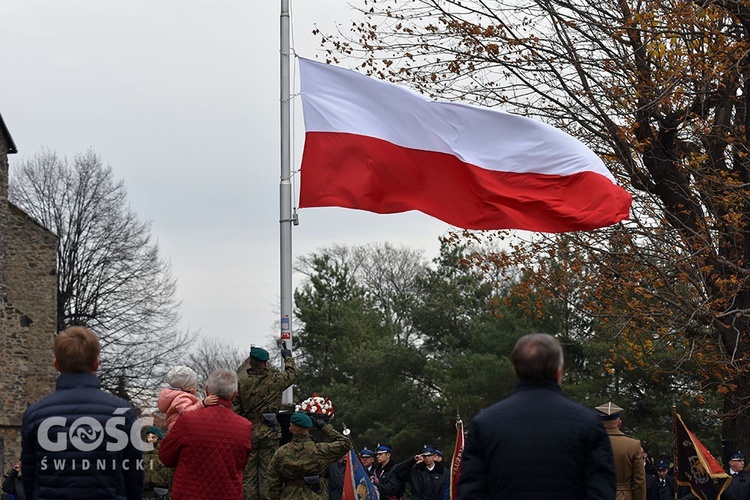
(318, 406)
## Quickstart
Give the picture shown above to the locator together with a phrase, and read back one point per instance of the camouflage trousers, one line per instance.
(254, 481)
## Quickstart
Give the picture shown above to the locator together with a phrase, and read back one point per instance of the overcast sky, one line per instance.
(181, 98)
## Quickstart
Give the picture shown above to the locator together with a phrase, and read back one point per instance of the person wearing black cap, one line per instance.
(388, 484)
(739, 488)
(661, 487)
(297, 469)
(258, 400)
(629, 467)
(427, 477)
(537, 431)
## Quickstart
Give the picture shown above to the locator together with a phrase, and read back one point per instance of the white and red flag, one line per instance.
(375, 146)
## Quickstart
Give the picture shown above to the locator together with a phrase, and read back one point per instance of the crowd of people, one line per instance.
(584, 454)
(81, 442)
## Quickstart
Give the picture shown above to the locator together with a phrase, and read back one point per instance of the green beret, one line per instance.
(259, 353)
(152, 429)
(302, 420)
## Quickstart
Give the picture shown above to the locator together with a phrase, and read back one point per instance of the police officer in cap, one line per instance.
(389, 485)
(367, 457)
(629, 467)
(661, 487)
(739, 488)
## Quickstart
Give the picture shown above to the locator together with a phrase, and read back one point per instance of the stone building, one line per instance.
(28, 308)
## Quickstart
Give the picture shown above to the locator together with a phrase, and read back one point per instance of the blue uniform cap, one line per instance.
(428, 450)
(662, 464)
(737, 456)
(302, 420)
(259, 353)
(384, 449)
(366, 452)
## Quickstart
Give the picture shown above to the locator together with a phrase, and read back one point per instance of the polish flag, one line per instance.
(375, 146)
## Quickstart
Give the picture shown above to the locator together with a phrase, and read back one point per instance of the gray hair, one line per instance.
(182, 377)
(223, 383)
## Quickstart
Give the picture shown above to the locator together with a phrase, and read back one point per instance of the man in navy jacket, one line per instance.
(80, 442)
(537, 444)
(428, 477)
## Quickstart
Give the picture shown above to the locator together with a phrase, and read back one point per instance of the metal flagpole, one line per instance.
(285, 192)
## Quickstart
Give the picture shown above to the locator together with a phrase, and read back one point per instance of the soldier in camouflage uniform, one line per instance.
(297, 468)
(259, 393)
(158, 475)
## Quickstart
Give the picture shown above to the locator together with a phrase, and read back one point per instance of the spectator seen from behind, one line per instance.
(76, 442)
(629, 465)
(502, 452)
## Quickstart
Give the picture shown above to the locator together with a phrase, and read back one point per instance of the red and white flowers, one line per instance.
(318, 405)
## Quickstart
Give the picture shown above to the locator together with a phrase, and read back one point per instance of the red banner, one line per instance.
(696, 467)
(458, 453)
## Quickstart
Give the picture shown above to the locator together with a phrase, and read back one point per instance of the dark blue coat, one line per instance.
(425, 484)
(76, 444)
(537, 445)
(739, 488)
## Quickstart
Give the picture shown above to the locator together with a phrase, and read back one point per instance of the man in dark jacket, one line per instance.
(13, 484)
(367, 457)
(739, 488)
(502, 453)
(661, 487)
(335, 477)
(389, 485)
(428, 478)
(79, 442)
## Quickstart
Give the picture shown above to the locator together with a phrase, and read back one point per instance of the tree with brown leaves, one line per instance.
(659, 89)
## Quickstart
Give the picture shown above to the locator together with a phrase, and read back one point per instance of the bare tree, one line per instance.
(386, 272)
(110, 276)
(210, 354)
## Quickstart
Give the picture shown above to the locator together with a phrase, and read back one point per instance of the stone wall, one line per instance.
(28, 310)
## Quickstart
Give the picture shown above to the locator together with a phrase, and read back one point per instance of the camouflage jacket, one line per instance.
(260, 392)
(304, 457)
(158, 475)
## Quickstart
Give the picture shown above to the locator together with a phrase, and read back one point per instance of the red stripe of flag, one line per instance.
(365, 173)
